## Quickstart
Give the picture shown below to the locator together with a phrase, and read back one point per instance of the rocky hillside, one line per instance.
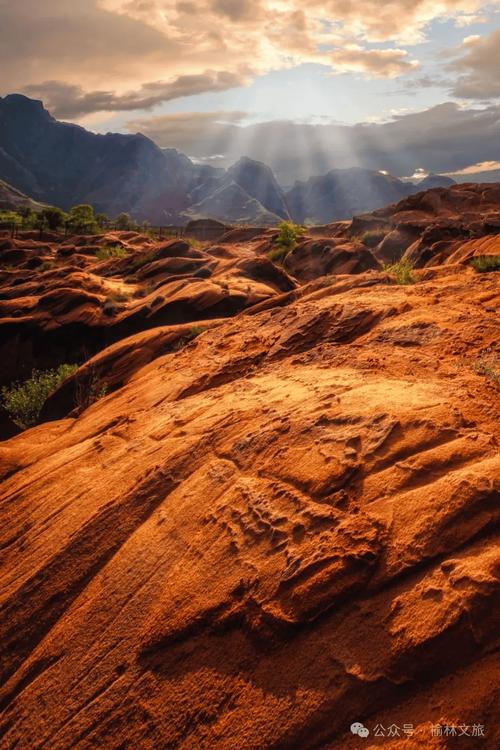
(277, 519)
(12, 199)
(63, 164)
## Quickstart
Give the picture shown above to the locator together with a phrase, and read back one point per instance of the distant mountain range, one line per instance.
(63, 164)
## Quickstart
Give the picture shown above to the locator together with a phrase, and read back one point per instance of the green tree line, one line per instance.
(81, 219)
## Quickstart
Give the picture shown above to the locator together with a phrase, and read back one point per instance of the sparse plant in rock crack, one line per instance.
(24, 401)
(488, 365)
(328, 280)
(119, 296)
(193, 333)
(402, 271)
(89, 388)
(372, 237)
(47, 265)
(485, 263)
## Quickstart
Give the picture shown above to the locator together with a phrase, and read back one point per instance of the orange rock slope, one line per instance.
(280, 529)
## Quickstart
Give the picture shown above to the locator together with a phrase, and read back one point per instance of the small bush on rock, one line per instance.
(287, 238)
(485, 263)
(114, 251)
(289, 234)
(89, 389)
(372, 237)
(402, 271)
(24, 401)
(278, 254)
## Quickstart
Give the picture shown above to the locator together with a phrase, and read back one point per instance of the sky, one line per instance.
(305, 83)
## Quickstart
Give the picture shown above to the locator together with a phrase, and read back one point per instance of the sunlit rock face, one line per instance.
(266, 530)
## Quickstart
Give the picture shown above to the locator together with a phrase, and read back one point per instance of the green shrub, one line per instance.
(119, 297)
(402, 271)
(328, 280)
(82, 219)
(24, 401)
(278, 254)
(112, 251)
(194, 331)
(289, 234)
(485, 263)
(10, 217)
(125, 223)
(101, 220)
(372, 237)
(286, 239)
(47, 265)
(53, 217)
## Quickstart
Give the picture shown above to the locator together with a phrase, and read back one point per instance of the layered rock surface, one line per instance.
(65, 302)
(281, 527)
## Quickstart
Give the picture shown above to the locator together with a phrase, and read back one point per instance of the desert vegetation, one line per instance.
(80, 218)
(488, 365)
(111, 251)
(401, 272)
(372, 237)
(485, 263)
(23, 401)
(287, 238)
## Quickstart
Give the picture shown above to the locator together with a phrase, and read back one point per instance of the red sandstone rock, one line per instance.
(262, 532)
(283, 528)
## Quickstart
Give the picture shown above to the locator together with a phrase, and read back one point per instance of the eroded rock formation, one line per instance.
(278, 528)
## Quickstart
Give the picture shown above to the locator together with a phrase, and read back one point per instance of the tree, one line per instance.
(29, 217)
(10, 217)
(82, 218)
(102, 220)
(123, 222)
(54, 217)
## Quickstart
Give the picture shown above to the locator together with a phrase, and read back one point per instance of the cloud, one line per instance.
(70, 101)
(396, 20)
(468, 20)
(201, 133)
(445, 138)
(484, 166)
(376, 63)
(119, 53)
(479, 66)
(79, 42)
